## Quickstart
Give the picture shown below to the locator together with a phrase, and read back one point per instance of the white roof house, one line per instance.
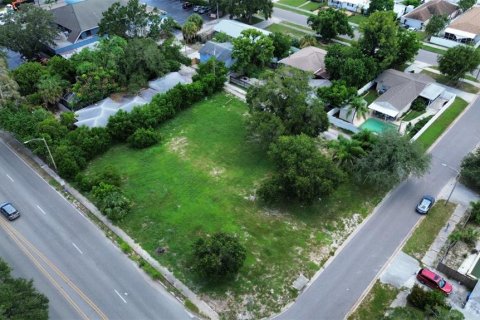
(234, 28)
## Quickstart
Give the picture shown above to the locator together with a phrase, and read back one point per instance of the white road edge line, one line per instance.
(10, 178)
(118, 294)
(41, 210)
(78, 249)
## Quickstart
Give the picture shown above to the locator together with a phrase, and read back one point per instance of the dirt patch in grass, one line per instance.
(178, 145)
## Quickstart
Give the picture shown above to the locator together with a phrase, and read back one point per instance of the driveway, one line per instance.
(173, 8)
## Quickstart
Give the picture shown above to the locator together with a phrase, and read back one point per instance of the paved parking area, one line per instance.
(173, 8)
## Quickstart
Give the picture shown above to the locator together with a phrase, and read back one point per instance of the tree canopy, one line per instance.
(470, 172)
(28, 30)
(252, 50)
(286, 98)
(245, 9)
(302, 172)
(281, 44)
(457, 61)
(130, 21)
(9, 89)
(436, 24)
(338, 94)
(391, 160)
(380, 5)
(466, 4)
(218, 256)
(18, 297)
(330, 23)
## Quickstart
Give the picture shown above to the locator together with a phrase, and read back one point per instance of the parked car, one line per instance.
(196, 8)
(203, 10)
(9, 211)
(425, 204)
(187, 5)
(434, 281)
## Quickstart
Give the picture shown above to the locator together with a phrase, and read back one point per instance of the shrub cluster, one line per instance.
(420, 298)
(111, 201)
(418, 126)
(143, 138)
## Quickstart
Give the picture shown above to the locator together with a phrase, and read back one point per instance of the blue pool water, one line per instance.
(377, 125)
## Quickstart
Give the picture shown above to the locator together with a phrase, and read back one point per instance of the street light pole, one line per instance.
(48, 149)
(456, 180)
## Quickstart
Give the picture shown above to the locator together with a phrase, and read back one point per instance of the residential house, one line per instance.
(234, 28)
(419, 17)
(221, 51)
(350, 5)
(309, 59)
(463, 30)
(399, 89)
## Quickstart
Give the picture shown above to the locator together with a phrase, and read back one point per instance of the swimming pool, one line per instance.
(72, 1)
(377, 125)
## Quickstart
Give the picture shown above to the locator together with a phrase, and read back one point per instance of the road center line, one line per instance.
(10, 178)
(118, 294)
(78, 249)
(41, 210)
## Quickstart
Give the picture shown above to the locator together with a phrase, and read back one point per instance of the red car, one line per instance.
(434, 281)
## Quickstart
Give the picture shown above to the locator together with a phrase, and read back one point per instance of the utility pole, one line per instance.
(48, 149)
(456, 180)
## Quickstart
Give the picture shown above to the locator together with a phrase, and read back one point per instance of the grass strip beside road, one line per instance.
(284, 7)
(375, 303)
(442, 123)
(286, 29)
(433, 49)
(423, 237)
(293, 3)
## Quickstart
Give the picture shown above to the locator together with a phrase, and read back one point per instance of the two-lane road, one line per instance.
(341, 284)
(71, 261)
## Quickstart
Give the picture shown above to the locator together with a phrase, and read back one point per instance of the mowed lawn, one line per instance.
(200, 179)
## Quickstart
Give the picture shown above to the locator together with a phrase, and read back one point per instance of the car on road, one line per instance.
(9, 211)
(434, 281)
(425, 204)
(187, 5)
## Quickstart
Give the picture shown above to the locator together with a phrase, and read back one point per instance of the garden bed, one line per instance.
(202, 179)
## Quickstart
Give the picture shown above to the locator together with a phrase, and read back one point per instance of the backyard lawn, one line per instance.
(375, 303)
(201, 179)
(412, 114)
(421, 239)
(442, 123)
(357, 18)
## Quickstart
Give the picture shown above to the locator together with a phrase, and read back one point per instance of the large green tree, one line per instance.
(9, 89)
(51, 89)
(245, 9)
(281, 44)
(252, 51)
(457, 61)
(466, 4)
(380, 5)
(470, 173)
(330, 23)
(302, 172)
(18, 297)
(191, 27)
(28, 30)
(338, 94)
(27, 75)
(286, 97)
(218, 256)
(408, 46)
(391, 160)
(379, 39)
(436, 24)
(346, 152)
(130, 21)
(350, 65)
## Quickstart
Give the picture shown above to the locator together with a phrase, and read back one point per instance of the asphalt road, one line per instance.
(427, 57)
(340, 285)
(71, 261)
(174, 9)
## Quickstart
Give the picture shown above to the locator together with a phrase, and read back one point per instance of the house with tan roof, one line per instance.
(310, 59)
(419, 17)
(463, 30)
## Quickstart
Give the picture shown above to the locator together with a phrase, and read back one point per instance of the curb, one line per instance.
(22, 152)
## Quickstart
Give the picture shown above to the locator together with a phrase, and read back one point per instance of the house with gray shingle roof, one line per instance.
(78, 23)
(399, 89)
(419, 17)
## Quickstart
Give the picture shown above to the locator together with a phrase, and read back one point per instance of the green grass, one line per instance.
(412, 114)
(197, 181)
(433, 49)
(351, 41)
(312, 6)
(286, 29)
(423, 236)
(442, 123)
(293, 3)
(302, 12)
(357, 18)
(291, 24)
(371, 96)
(375, 303)
(421, 35)
(467, 87)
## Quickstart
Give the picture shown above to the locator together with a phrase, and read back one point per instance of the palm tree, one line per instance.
(366, 139)
(359, 107)
(346, 151)
(308, 40)
(189, 31)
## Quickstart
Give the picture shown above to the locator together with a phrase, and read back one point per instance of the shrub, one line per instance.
(143, 138)
(419, 104)
(475, 212)
(218, 256)
(468, 235)
(111, 201)
(69, 160)
(418, 126)
(108, 175)
(92, 141)
(421, 299)
(470, 173)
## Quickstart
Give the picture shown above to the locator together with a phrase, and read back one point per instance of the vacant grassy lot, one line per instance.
(200, 180)
(422, 238)
(375, 303)
(287, 29)
(442, 123)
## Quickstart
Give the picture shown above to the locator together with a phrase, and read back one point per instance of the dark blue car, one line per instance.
(9, 211)
(425, 204)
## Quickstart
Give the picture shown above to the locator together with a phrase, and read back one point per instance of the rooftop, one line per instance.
(432, 8)
(234, 28)
(310, 59)
(468, 22)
